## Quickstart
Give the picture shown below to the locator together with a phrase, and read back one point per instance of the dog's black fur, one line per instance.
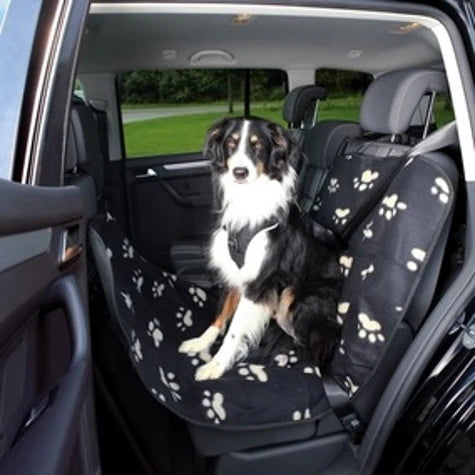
(295, 258)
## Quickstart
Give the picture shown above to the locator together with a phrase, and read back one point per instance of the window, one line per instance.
(168, 112)
(345, 93)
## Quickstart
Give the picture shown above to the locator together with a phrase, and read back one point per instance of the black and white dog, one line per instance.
(272, 268)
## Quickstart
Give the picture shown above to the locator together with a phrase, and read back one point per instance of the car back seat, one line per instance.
(390, 265)
(319, 143)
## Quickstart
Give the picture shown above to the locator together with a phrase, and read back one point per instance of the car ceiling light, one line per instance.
(242, 19)
(407, 28)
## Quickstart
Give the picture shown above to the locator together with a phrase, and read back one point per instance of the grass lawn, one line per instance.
(182, 134)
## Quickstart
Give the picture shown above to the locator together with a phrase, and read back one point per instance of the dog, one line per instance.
(271, 266)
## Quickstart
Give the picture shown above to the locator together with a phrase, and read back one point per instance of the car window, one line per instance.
(168, 112)
(345, 93)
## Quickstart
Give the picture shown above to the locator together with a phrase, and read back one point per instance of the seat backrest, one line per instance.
(393, 257)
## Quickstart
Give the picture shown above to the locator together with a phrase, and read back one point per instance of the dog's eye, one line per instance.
(230, 142)
(256, 145)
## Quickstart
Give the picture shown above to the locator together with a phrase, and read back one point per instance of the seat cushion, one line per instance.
(155, 311)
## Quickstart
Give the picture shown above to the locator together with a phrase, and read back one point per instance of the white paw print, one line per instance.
(346, 262)
(341, 347)
(253, 372)
(333, 185)
(199, 295)
(365, 181)
(203, 356)
(314, 370)
(441, 189)
(136, 347)
(170, 384)
(342, 310)
(286, 360)
(390, 206)
(214, 406)
(171, 278)
(158, 395)
(298, 416)
(109, 253)
(184, 319)
(350, 386)
(317, 204)
(367, 271)
(368, 231)
(109, 217)
(157, 289)
(418, 257)
(128, 301)
(127, 249)
(155, 332)
(369, 329)
(348, 156)
(137, 279)
(341, 216)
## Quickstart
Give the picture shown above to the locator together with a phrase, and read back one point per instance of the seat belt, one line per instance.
(338, 398)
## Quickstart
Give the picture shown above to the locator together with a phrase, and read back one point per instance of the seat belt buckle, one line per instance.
(355, 427)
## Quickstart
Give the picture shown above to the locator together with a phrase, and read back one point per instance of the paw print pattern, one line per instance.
(418, 257)
(333, 185)
(136, 347)
(203, 356)
(365, 181)
(298, 416)
(341, 347)
(317, 204)
(137, 279)
(109, 217)
(109, 253)
(369, 329)
(127, 249)
(350, 386)
(345, 263)
(170, 384)
(286, 360)
(155, 332)
(367, 271)
(184, 319)
(171, 278)
(368, 231)
(441, 189)
(348, 156)
(158, 395)
(157, 289)
(390, 206)
(198, 295)
(214, 406)
(342, 310)
(313, 370)
(340, 217)
(253, 372)
(128, 301)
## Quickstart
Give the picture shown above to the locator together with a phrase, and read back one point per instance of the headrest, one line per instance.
(298, 100)
(392, 98)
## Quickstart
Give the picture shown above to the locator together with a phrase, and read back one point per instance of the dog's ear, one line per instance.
(214, 144)
(284, 150)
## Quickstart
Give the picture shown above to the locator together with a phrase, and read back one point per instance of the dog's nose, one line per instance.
(240, 173)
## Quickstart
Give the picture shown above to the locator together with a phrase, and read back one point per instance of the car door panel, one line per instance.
(44, 341)
(169, 198)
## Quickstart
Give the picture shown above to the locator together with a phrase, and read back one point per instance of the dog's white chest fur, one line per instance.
(253, 259)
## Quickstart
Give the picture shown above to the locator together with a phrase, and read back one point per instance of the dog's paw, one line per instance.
(193, 345)
(211, 370)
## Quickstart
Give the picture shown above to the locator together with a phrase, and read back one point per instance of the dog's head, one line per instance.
(247, 149)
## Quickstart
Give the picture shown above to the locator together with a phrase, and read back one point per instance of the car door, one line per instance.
(46, 409)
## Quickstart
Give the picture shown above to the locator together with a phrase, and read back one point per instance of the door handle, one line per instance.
(148, 174)
(71, 247)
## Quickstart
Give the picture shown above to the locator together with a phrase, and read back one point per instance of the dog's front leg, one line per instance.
(244, 333)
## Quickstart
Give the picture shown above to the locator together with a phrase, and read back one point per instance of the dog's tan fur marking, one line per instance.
(229, 306)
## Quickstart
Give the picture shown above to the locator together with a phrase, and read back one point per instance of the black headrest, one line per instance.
(298, 100)
(392, 98)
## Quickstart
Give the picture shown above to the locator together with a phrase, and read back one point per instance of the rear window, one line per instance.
(168, 112)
